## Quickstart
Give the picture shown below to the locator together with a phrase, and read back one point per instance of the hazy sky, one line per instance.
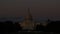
(39, 8)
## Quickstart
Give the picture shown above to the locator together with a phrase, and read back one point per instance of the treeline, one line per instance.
(9, 27)
(53, 26)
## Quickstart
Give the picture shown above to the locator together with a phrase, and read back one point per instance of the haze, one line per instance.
(39, 8)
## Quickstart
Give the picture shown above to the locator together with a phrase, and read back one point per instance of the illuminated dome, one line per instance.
(27, 23)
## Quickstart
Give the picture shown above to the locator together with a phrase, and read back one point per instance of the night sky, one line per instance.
(39, 8)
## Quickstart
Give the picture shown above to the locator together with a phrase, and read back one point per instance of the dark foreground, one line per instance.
(35, 32)
(9, 28)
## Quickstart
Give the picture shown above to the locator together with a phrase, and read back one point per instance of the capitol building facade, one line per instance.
(28, 23)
